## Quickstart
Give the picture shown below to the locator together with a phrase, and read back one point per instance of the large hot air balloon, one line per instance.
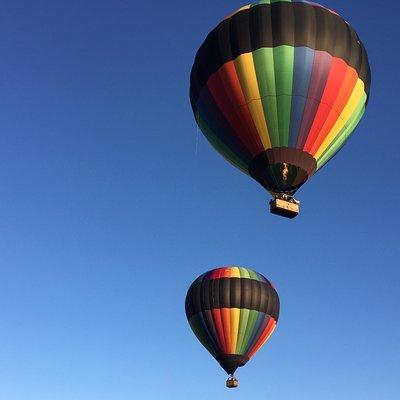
(277, 88)
(233, 312)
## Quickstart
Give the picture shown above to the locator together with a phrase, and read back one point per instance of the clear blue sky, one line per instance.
(108, 212)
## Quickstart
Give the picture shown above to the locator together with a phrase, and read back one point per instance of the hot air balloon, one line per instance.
(233, 312)
(277, 88)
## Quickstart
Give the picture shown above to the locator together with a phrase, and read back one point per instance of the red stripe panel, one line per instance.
(225, 88)
(216, 312)
(320, 71)
(226, 323)
(334, 83)
(226, 273)
(346, 89)
(223, 272)
(214, 274)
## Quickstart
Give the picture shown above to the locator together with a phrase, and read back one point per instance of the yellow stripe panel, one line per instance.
(343, 118)
(235, 318)
(234, 272)
(248, 81)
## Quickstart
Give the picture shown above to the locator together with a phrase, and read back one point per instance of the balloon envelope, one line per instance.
(278, 87)
(233, 311)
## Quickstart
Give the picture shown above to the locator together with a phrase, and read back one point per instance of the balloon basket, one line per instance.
(285, 206)
(232, 382)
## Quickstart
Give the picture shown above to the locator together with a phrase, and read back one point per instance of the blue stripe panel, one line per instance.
(261, 331)
(256, 331)
(214, 118)
(303, 65)
(321, 67)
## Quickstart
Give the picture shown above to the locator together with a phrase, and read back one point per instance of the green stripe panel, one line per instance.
(244, 273)
(244, 317)
(264, 65)
(274, 71)
(284, 61)
(250, 274)
(254, 275)
(252, 319)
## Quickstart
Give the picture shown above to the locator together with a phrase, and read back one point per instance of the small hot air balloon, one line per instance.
(233, 312)
(277, 88)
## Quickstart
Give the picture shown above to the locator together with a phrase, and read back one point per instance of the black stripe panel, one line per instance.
(271, 25)
(232, 293)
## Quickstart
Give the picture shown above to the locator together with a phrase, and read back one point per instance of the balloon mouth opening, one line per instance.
(231, 362)
(282, 170)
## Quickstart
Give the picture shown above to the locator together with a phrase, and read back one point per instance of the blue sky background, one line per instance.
(111, 205)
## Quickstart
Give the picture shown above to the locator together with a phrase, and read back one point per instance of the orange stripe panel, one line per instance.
(345, 92)
(226, 324)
